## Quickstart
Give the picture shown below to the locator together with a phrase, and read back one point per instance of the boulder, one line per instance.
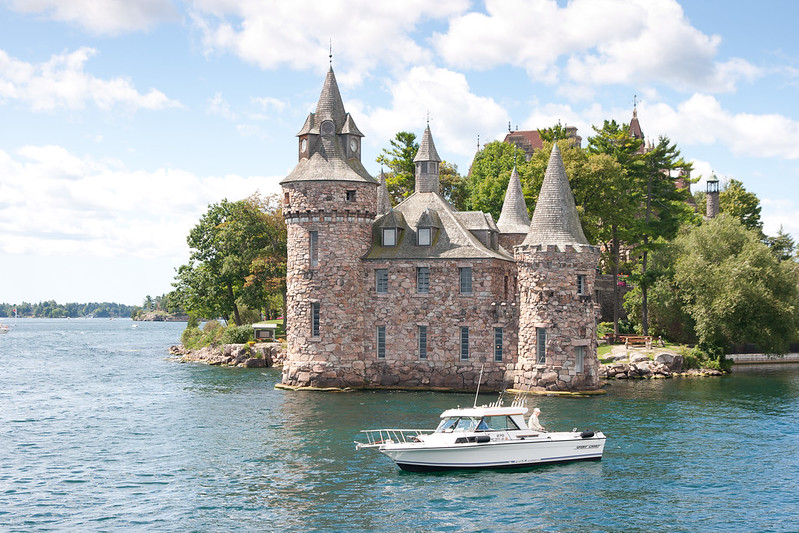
(639, 358)
(254, 362)
(673, 361)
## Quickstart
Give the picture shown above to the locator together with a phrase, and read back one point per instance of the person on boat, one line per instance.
(533, 422)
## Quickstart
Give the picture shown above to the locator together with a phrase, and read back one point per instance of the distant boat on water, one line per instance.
(3, 329)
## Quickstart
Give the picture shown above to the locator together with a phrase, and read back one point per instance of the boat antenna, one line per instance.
(478, 384)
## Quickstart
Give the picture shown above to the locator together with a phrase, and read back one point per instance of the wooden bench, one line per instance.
(636, 340)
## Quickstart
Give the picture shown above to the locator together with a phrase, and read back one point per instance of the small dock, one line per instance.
(748, 361)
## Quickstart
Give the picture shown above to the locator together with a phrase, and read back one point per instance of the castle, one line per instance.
(422, 295)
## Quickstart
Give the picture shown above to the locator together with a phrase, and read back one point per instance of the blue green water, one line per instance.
(101, 431)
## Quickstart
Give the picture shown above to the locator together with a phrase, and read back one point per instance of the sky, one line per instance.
(122, 120)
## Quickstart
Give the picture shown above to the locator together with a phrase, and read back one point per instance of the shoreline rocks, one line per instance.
(260, 355)
(636, 364)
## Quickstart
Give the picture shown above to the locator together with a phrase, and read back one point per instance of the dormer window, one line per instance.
(424, 236)
(389, 236)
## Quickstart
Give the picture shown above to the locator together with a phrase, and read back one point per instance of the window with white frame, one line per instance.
(424, 236)
(581, 284)
(389, 236)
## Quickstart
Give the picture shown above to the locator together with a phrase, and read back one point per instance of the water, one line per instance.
(101, 431)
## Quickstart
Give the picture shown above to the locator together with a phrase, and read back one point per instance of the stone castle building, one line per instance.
(421, 295)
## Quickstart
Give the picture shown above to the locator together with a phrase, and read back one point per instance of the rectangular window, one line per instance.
(422, 342)
(313, 248)
(286, 198)
(464, 343)
(350, 196)
(498, 344)
(579, 352)
(381, 342)
(314, 319)
(541, 345)
(581, 284)
(381, 280)
(422, 280)
(466, 280)
(423, 236)
(389, 236)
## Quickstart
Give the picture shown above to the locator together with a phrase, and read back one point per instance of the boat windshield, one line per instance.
(456, 423)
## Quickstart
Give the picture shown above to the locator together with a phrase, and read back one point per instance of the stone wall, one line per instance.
(336, 283)
(548, 299)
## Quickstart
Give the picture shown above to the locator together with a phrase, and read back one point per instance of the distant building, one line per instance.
(421, 295)
(530, 140)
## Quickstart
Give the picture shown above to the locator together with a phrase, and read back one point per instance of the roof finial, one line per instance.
(509, 128)
(330, 56)
(478, 142)
(428, 117)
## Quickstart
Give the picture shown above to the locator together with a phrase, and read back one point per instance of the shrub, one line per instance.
(237, 334)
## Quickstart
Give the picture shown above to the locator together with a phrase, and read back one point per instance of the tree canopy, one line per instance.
(236, 248)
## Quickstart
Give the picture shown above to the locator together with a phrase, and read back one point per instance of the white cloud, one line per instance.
(780, 212)
(702, 120)
(219, 106)
(592, 42)
(56, 203)
(62, 83)
(457, 115)
(105, 17)
(364, 33)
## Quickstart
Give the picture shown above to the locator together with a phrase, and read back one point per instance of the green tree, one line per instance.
(734, 288)
(782, 245)
(400, 180)
(454, 188)
(488, 178)
(225, 244)
(736, 201)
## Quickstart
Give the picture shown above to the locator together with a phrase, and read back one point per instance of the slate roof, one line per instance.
(451, 236)
(555, 219)
(514, 217)
(327, 160)
(427, 148)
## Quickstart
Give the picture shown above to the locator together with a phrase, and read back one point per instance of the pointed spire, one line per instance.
(514, 217)
(427, 148)
(555, 219)
(383, 199)
(330, 105)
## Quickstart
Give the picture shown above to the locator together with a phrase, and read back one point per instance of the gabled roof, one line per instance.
(514, 217)
(555, 219)
(451, 240)
(427, 148)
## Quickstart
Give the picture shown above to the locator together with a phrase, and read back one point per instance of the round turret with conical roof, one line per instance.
(556, 273)
(329, 203)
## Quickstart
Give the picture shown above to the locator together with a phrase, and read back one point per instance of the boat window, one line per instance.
(499, 423)
(466, 424)
(446, 424)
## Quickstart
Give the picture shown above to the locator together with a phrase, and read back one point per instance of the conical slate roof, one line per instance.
(555, 219)
(514, 217)
(330, 106)
(383, 199)
(427, 149)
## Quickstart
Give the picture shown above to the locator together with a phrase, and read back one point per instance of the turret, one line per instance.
(427, 162)
(514, 222)
(556, 273)
(330, 202)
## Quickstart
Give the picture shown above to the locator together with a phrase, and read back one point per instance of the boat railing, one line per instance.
(378, 437)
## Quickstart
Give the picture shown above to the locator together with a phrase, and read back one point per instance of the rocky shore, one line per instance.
(638, 363)
(259, 355)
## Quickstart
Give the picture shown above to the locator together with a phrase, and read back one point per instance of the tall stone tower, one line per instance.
(329, 203)
(556, 273)
(712, 208)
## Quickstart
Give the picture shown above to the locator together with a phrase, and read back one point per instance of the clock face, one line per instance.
(354, 145)
(303, 145)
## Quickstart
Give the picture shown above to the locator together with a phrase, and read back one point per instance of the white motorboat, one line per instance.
(490, 436)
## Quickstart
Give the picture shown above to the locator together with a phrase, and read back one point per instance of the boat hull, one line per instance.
(492, 455)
